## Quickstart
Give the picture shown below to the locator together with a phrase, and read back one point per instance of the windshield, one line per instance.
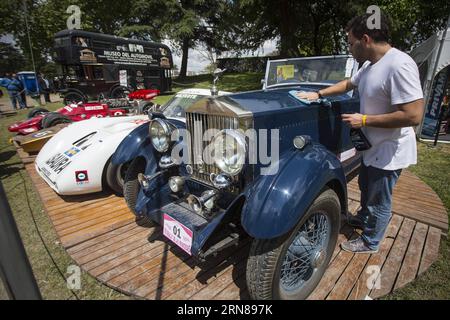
(317, 70)
(177, 106)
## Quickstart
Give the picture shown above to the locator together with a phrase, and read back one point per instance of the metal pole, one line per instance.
(15, 269)
(31, 49)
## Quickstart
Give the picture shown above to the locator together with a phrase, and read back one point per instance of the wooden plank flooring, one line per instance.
(103, 237)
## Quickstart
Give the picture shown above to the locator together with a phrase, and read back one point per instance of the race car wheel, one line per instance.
(54, 118)
(36, 111)
(290, 267)
(131, 186)
(119, 92)
(148, 107)
(73, 97)
(115, 177)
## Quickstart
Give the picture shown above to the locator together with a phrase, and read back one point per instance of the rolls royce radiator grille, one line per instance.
(197, 124)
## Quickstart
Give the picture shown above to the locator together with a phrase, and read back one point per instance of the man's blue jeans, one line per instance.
(376, 187)
(16, 97)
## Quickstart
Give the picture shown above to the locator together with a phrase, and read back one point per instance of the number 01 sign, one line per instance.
(177, 233)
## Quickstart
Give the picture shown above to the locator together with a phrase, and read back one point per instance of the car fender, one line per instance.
(138, 144)
(135, 144)
(275, 203)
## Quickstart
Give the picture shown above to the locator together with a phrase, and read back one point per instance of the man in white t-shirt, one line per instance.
(391, 102)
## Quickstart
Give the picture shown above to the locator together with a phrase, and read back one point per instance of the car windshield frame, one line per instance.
(350, 71)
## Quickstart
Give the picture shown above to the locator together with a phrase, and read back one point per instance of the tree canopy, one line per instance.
(299, 27)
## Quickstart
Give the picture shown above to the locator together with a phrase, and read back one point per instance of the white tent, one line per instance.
(432, 57)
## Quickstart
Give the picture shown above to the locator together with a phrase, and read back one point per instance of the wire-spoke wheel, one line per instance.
(306, 254)
(290, 267)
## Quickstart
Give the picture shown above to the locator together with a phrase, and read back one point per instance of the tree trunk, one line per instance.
(184, 59)
(288, 43)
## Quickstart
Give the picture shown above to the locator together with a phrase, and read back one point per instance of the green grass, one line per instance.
(433, 168)
(27, 209)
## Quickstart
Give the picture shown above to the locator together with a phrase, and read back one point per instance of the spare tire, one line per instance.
(54, 118)
(36, 111)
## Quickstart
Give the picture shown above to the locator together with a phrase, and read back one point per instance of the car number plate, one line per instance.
(177, 233)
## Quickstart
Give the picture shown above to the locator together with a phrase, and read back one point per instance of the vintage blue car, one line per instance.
(260, 165)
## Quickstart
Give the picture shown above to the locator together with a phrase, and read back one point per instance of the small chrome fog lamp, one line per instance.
(300, 142)
(176, 183)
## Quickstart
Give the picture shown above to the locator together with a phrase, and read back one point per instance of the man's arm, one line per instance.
(338, 88)
(407, 115)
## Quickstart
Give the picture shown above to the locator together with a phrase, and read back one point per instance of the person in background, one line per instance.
(44, 87)
(15, 90)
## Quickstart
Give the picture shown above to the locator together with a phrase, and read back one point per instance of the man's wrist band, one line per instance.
(364, 118)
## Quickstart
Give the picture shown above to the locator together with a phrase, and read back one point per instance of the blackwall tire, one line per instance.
(36, 111)
(119, 92)
(114, 176)
(73, 97)
(269, 266)
(131, 186)
(148, 108)
(54, 118)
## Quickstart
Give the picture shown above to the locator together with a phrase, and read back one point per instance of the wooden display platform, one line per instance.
(101, 235)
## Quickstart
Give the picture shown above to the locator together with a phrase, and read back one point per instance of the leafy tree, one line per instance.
(11, 59)
(316, 27)
(413, 21)
(186, 23)
(46, 17)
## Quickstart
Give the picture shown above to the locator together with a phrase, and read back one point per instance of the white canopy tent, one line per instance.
(433, 59)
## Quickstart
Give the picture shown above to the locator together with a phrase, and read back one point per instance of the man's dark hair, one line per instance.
(358, 27)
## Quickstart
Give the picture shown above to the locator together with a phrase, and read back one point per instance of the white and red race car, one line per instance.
(77, 160)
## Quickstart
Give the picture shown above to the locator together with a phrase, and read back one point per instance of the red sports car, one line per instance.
(40, 118)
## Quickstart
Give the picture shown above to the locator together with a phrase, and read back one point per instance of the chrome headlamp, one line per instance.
(229, 151)
(160, 134)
